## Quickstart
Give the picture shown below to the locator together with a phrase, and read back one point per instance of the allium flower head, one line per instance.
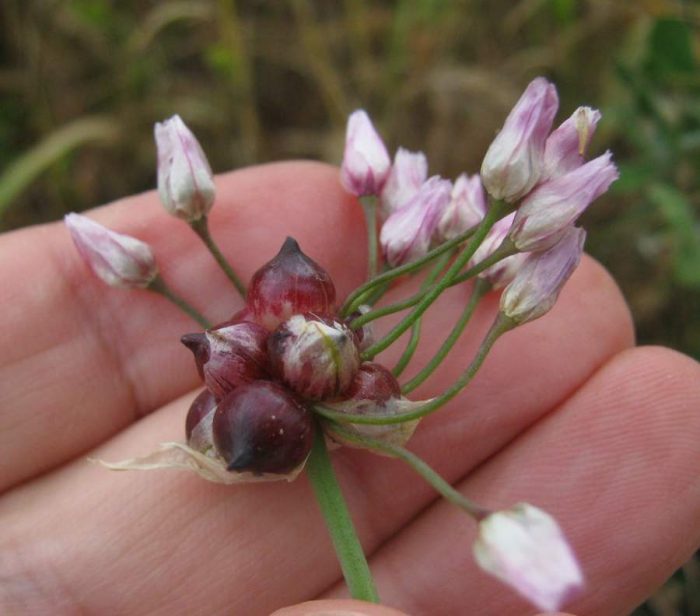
(539, 280)
(525, 548)
(185, 180)
(548, 211)
(406, 235)
(119, 260)
(366, 163)
(409, 171)
(513, 163)
(467, 207)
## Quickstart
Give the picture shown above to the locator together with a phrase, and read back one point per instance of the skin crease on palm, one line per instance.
(565, 414)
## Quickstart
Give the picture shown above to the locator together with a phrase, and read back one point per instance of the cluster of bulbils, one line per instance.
(289, 349)
(262, 369)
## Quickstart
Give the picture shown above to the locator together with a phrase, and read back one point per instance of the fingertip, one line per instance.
(338, 607)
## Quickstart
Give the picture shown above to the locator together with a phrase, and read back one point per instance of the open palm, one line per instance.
(565, 414)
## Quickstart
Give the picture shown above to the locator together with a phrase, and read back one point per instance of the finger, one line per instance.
(338, 607)
(235, 547)
(616, 465)
(75, 353)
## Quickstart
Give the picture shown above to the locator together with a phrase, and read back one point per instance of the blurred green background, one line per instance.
(83, 81)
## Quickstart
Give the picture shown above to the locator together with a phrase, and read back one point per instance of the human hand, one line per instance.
(564, 414)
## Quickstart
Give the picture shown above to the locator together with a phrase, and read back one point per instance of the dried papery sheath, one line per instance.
(549, 210)
(466, 209)
(376, 392)
(316, 357)
(525, 548)
(289, 284)
(262, 428)
(366, 163)
(566, 147)
(406, 235)
(185, 181)
(119, 260)
(229, 356)
(409, 171)
(501, 273)
(537, 283)
(513, 163)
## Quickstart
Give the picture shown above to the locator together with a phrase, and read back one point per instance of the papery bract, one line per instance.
(291, 283)
(467, 207)
(537, 283)
(366, 163)
(406, 235)
(262, 428)
(119, 260)
(409, 171)
(316, 357)
(185, 181)
(525, 548)
(502, 272)
(548, 211)
(229, 356)
(565, 148)
(513, 163)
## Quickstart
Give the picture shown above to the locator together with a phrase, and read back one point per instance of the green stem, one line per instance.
(480, 289)
(201, 228)
(422, 468)
(369, 205)
(497, 210)
(342, 531)
(355, 298)
(501, 325)
(158, 286)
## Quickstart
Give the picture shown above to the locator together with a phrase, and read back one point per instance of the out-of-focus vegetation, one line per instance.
(83, 81)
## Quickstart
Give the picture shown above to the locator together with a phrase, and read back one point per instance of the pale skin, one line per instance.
(566, 414)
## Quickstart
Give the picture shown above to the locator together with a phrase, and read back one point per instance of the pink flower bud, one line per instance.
(407, 233)
(467, 207)
(229, 356)
(185, 180)
(289, 284)
(513, 163)
(119, 260)
(407, 175)
(565, 148)
(501, 273)
(549, 210)
(374, 391)
(262, 428)
(539, 280)
(366, 163)
(525, 548)
(316, 357)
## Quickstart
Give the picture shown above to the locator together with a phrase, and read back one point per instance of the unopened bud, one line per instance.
(549, 210)
(407, 233)
(566, 147)
(229, 356)
(525, 548)
(316, 357)
(185, 181)
(513, 163)
(539, 280)
(501, 273)
(409, 171)
(366, 163)
(262, 428)
(467, 207)
(119, 260)
(289, 284)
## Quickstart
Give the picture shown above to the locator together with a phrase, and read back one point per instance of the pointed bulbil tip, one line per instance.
(242, 461)
(290, 246)
(194, 342)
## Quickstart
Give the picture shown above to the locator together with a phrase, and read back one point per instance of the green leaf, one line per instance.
(670, 48)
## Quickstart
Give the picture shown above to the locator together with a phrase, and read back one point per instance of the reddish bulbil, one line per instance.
(262, 428)
(290, 284)
(373, 382)
(229, 356)
(200, 408)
